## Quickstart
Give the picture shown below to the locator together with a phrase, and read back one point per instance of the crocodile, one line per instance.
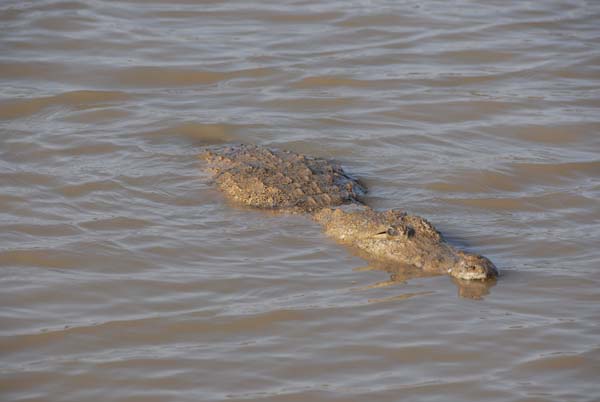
(280, 180)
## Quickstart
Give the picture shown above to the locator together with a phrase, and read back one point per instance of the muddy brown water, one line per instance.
(124, 276)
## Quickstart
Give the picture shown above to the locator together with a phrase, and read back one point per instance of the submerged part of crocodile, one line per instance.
(282, 180)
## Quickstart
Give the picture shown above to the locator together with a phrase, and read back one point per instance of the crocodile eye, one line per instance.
(406, 231)
(395, 231)
(392, 231)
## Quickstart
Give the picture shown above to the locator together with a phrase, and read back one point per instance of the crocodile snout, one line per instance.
(473, 267)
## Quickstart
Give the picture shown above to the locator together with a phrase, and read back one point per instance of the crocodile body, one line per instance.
(286, 181)
(267, 178)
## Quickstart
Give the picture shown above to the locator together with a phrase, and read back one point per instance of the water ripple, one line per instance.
(125, 275)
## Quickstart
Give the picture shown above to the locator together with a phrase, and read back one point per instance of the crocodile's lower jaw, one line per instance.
(470, 276)
(489, 273)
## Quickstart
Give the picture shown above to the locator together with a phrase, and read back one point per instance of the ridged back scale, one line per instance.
(269, 178)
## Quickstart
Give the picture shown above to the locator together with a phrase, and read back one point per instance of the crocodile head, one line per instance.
(396, 237)
(413, 240)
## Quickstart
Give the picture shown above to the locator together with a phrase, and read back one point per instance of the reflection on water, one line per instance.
(124, 276)
(400, 275)
(475, 290)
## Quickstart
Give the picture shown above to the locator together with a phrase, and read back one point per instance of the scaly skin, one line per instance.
(281, 180)
(267, 178)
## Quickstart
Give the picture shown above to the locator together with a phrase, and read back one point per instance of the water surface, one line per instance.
(124, 276)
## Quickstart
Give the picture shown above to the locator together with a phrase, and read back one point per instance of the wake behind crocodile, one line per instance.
(285, 181)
